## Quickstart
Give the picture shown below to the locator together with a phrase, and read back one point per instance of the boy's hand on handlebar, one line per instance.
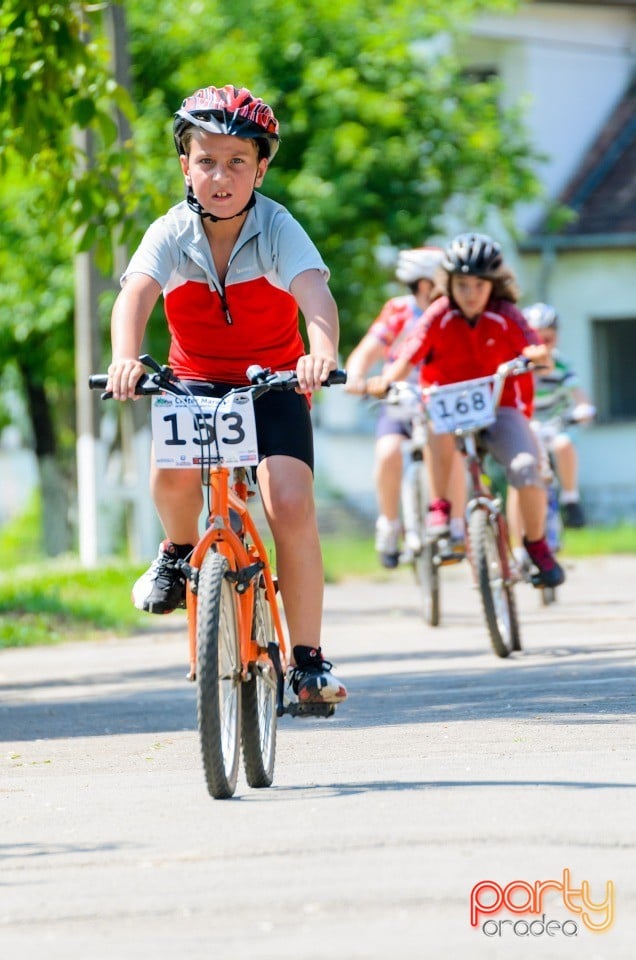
(538, 353)
(312, 370)
(356, 383)
(123, 376)
(377, 387)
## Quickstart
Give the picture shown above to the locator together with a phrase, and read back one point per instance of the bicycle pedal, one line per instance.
(310, 709)
(448, 559)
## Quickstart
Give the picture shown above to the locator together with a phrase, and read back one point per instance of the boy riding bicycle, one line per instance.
(416, 269)
(558, 392)
(234, 268)
(466, 334)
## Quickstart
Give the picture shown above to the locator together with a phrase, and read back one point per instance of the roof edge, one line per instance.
(586, 241)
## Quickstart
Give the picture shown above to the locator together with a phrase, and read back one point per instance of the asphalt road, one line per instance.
(445, 768)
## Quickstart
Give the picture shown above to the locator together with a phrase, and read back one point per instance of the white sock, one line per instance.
(384, 523)
(569, 496)
(457, 528)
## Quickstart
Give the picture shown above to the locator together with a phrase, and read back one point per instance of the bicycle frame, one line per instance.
(238, 653)
(247, 562)
(464, 409)
(482, 498)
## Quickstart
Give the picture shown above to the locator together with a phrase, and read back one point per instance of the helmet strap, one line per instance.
(194, 205)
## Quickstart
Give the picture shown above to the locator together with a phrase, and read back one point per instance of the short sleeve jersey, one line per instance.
(553, 392)
(450, 349)
(397, 319)
(218, 329)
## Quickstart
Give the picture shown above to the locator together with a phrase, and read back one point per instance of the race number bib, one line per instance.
(463, 407)
(188, 431)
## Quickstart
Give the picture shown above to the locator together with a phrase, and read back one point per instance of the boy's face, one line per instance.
(222, 171)
(471, 294)
(548, 337)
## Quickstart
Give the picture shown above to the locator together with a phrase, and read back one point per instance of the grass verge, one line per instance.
(52, 601)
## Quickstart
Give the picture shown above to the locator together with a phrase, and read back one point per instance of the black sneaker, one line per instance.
(550, 573)
(311, 680)
(162, 588)
(572, 514)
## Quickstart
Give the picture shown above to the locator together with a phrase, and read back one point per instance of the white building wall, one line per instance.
(569, 66)
(585, 286)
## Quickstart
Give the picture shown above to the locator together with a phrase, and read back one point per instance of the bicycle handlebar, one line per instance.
(163, 379)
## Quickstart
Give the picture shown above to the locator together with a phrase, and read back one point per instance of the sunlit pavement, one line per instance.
(446, 767)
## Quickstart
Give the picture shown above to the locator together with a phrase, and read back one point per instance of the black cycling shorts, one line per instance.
(283, 421)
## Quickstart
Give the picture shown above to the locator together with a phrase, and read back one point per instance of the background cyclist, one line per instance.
(416, 269)
(558, 393)
(465, 334)
(234, 268)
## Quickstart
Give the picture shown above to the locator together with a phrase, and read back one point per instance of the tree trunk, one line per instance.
(56, 532)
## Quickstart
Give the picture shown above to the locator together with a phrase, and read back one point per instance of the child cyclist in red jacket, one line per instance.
(234, 268)
(466, 334)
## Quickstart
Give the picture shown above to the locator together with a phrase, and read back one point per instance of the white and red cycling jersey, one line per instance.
(217, 328)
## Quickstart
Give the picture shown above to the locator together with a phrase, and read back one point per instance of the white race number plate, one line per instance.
(188, 431)
(461, 408)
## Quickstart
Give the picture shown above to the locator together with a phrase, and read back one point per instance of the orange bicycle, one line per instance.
(239, 654)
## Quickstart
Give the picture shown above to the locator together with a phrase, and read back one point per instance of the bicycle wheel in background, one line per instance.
(554, 534)
(496, 595)
(258, 702)
(218, 677)
(427, 574)
(425, 563)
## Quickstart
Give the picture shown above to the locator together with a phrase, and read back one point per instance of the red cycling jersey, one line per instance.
(450, 348)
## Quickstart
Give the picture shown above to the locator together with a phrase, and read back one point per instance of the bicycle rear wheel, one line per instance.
(258, 704)
(548, 596)
(218, 677)
(497, 596)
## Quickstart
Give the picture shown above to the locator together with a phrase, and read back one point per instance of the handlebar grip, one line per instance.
(145, 386)
(336, 376)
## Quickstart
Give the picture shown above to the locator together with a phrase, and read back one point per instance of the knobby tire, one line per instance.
(427, 573)
(258, 705)
(218, 677)
(497, 597)
(424, 564)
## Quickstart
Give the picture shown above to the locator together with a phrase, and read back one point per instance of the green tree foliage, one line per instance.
(380, 130)
(380, 127)
(55, 84)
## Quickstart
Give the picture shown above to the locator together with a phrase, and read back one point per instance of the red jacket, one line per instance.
(451, 349)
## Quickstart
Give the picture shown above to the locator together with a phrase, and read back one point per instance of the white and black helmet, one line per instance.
(421, 263)
(541, 316)
(473, 254)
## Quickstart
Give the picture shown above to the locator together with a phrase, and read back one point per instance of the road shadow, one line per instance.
(110, 714)
(322, 791)
(558, 690)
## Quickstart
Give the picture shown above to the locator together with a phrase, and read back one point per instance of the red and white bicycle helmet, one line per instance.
(231, 111)
(421, 263)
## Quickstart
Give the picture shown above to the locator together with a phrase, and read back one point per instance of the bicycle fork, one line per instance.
(493, 508)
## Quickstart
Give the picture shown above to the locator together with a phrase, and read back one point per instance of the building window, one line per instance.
(615, 386)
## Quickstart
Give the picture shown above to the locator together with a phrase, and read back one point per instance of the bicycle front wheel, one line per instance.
(258, 705)
(427, 575)
(426, 568)
(496, 595)
(218, 677)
